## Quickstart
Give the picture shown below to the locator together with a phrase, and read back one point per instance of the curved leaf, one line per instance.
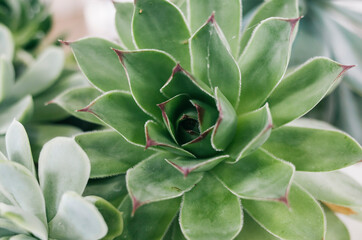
(332, 187)
(119, 111)
(75, 99)
(252, 230)
(162, 213)
(210, 211)
(18, 146)
(301, 90)
(63, 166)
(41, 74)
(212, 63)
(7, 77)
(158, 24)
(227, 14)
(6, 43)
(257, 176)
(20, 110)
(253, 129)
(76, 218)
(264, 61)
(303, 218)
(336, 230)
(155, 180)
(109, 153)
(313, 150)
(99, 63)
(123, 20)
(147, 71)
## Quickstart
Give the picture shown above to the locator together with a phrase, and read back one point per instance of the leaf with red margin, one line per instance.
(201, 146)
(207, 115)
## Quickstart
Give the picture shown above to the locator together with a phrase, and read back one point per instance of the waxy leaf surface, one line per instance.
(123, 19)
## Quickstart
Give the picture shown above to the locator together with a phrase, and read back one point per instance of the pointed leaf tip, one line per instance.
(136, 204)
(293, 21)
(211, 18)
(120, 54)
(86, 109)
(66, 43)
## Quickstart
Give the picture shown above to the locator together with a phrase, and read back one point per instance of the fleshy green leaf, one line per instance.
(336, 230)
(22, 237)
(25, 220)
(111, 216)
(41, 74)
(313, 150)
(206, 115)
(188, 165)
(272, 8)
(63, 166)
(20, 187)
(109, 153)
(174, 232)
(224, 130)
(7, 76)
(77, 219)
(332, 187)
(257, 176)
(264, 61)
(18, 146)
(253, 129)
(77, 98)
(118, 110)
(227, 14)
(150, 221)
(20, 110)
(201, 146)
(301, 90)
(158, 24)
(40, 134)
(113, 189)
(6, 43)
(9, 228)
(253, 231)
(210, 211)
(123, 20)
(302, 219)
(157, 137)
(155, 180)
(99, 63)
(212, 63)
(147, 71)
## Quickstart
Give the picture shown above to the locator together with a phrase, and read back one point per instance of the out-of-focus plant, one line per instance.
(51, 207)
(216, 112)
(332, 29)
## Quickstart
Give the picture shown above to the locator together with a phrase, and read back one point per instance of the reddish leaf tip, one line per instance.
(162, 107)
(347, 67)
(119, 53)
(149, 142)
(86, 109)
(284, 200)
(66, 43)
(211, 18)
(136, 204)
(184, 171)
(200, 113)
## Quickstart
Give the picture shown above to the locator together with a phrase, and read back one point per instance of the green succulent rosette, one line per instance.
(226, 156)
(47, 203)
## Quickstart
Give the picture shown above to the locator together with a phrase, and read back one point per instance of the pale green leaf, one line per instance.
(63, 166)
(253, 129)
(77, 98)
(119, 111)
(332, 187)
(336, 230)
(257, 176)
(109, 153)
(314, 150)
(25, 220)
(155, 180)
(111, 216)
(301, 90)
(22, 237)
(158, 24)
(18, 146)
(20, 110)
(209, 211)
(123, 20)
(264, 61)
(99, 63)
(150, 221)
(6, 43)
(272, 8)
(302, 219)
(76, 218)
(227, 14)
(41, 74)
(212, 63)
(147, 71)
(21, 188)
(7, 76)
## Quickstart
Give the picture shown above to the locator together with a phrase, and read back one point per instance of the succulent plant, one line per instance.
(52, 208)
(227, 156)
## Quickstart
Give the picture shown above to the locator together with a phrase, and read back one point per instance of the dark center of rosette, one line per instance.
(188, 127)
